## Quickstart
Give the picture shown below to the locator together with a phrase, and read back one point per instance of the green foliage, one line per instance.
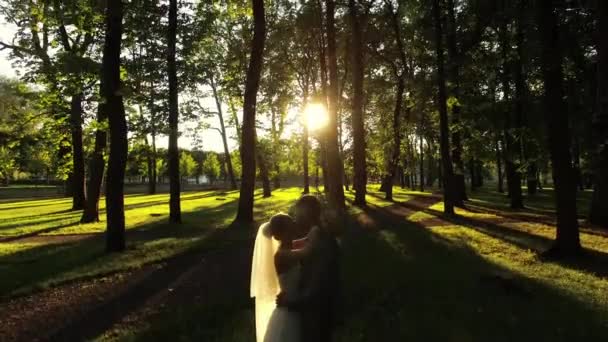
(211, 167)
(187, 164)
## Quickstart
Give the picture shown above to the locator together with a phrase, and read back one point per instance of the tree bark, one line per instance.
(556, 116)
(245, 210)
(334, 161)
(152, 179)
(421, 164)
(324, 94)
(305, 144)
(115, 231)
(599, 202)
(447, 173)
(78, 175)
(387, 183)
(513, 176)
(267, 192)
(175, 215)
(460, 192)
(97, 164)
(473, 174)
(220, 114)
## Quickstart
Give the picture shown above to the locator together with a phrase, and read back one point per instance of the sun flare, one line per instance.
(315, 116)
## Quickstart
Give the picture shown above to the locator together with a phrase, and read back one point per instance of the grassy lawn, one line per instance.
(27, 266)
(403, 279)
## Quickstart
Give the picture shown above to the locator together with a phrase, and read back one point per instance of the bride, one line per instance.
(272, 274)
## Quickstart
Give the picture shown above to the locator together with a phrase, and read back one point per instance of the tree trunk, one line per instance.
(396, 148)
(275, 134)
(324, 94)
(421, 164)
(430, 164)
(115, 231)
(245, 210)
(473, 174)
(175, 215)
(513, 176)
(96, 165)
(599, 202)
(447, 173)
(267, 192)
(359, 163)
(556, 116)
(460, 192)
(78, 176)
(334, 160)
(220, 114)
(305, 144)
(154, 178)
(478, 173)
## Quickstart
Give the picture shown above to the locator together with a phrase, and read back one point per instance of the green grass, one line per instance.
(401, 281)
(541, 203)
(29, 266)
(452, 283)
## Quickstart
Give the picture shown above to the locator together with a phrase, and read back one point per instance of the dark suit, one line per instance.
(320, 289)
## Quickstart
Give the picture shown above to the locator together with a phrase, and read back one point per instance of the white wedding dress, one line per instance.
(284, 325)
(272, 324)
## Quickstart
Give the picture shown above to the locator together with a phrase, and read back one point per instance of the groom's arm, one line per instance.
(308, 249)
(310, 292)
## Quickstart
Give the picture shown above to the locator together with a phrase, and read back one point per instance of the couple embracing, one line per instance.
(295, 276)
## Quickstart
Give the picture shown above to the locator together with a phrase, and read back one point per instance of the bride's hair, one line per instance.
(279, 224)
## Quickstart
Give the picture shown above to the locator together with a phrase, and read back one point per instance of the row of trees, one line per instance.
(441, 90)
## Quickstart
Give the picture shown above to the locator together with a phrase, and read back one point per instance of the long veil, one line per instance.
(264, 280)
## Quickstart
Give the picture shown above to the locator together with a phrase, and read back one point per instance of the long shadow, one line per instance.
(403, 282)
(59, 215)
(590, 261)
(25, 269)
(53, 214)
(33, 205)
(235, 239)
(16, 238)
(38, 222)
(44, 261)
(214, 193)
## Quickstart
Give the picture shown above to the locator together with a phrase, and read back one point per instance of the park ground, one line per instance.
(409, 273)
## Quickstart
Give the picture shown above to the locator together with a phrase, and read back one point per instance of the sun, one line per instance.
(315, 116)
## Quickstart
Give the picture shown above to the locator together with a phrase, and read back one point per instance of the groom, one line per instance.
(319, 287)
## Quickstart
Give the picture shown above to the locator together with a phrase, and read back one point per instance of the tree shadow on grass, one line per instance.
(55, 220)
(41, 202)
(16, 238)
(199, 240)
(38, 264)
(590, 260)
(404, 282)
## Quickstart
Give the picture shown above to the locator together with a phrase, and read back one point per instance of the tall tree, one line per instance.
(97, 162)
(556, 116)
(223, 133)
(334, 162)
(454, 72)
(511, 167)
(358, 128)
(115, 231)
(444, 141)
(248, 136)
(173, 151)
(599, 203)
